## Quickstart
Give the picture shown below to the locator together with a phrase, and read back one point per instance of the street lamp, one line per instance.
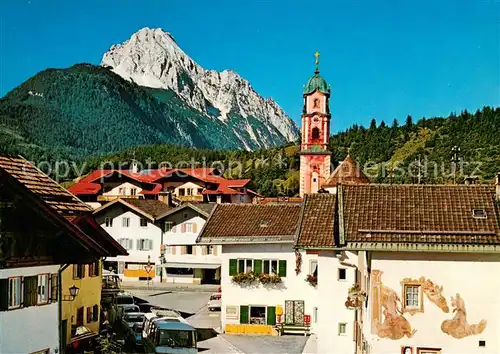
(73, 292)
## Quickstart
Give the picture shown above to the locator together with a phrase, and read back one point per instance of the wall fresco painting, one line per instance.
(388, 320)
(458, 326)
(395, 325)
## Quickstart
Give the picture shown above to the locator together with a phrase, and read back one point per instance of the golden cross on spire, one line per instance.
(317, 60)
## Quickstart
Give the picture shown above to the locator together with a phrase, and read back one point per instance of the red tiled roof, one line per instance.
(236, 223)
(157, 189)
(347, 172)
(85, 188)
(419, 214)
(53, 198)
(317, 224)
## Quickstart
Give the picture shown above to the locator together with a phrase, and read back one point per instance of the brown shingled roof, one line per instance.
(317, 225)
(241, 223)
(43, 186)
(419, 214)
(347, 172)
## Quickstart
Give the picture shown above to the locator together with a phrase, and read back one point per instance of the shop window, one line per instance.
(257, 315)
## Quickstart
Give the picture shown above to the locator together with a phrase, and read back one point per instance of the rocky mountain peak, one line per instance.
(152, 58)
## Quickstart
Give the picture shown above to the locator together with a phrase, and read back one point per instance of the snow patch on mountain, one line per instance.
(152, 58)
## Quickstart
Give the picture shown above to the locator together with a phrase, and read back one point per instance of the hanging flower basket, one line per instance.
(312, 280)
(269, 279)
(244, 278)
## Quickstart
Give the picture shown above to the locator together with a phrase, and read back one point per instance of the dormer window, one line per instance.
(479, 213)
(264, 223)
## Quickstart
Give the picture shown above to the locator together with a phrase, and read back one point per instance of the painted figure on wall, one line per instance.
(458, 326)
(434, 293)
(394, 325)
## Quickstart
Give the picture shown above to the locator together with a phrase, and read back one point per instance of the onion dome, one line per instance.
(316, 82)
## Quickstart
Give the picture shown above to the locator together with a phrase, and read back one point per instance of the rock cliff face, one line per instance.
(152, 58)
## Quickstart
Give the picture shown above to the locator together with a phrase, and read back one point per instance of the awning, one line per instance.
(190, 265)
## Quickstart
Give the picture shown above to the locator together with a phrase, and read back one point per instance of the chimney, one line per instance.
(165, 197)
(497, 184)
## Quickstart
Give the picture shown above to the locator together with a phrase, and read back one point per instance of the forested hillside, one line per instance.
(386, 150)
(88, 110)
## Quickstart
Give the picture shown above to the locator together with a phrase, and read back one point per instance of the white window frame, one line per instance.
(342, 329)
(245, 265)
(133, 192)
(141, 220)
(411, 296)
(189, 227)
(14, 283)
(125, 221)
(250, 313)
(312, 266)
(108, 221)
(43, 289)
(270, 262)
(145, 244)
(338, 274)
(125, 243)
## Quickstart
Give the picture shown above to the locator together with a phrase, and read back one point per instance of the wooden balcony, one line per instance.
(190, 198)
(108, 198)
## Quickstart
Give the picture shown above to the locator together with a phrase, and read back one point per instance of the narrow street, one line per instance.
(193, 304)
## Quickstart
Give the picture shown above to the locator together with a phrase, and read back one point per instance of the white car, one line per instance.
(214, 302)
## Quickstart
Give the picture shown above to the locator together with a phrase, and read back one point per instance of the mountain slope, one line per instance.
(86, 110)
(152, 58)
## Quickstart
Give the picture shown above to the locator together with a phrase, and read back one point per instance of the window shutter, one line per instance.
(271, 315)
(174, 227)
(243, 314)
(233, 267)
(97, 268)
(215, 250)
(83, 271)
(150, 245)
(204, 250)
(4, 294)
(138, 243)
(89, 314)
(54, 286)
(195, 227)
(183, 249)
(95, 311)
(173, 249)
(282, 268)
(183, 228)
(257, 266)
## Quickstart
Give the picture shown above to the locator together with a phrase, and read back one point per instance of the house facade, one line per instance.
(399, 268)
(258, 275)
(160, 240)
(35, 254)
(182, 185)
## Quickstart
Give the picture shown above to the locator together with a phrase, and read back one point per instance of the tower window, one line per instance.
(315, 133)
(316, 103)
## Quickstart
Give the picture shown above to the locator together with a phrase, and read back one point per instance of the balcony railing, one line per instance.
(190, 198)
(108, 198)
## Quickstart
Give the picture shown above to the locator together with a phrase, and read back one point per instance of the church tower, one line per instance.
(314, 154)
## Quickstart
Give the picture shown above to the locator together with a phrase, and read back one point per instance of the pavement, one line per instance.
(311, 346)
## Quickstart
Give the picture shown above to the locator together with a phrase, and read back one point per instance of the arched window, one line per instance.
(316, 103)
(315, 133)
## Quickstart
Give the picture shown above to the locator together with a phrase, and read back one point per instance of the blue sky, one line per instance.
(383, 59)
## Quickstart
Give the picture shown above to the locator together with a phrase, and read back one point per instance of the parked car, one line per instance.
(129, 319)
(124, 309)
(133, 336)
(214, 302)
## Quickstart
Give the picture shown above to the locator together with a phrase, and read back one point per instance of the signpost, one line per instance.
(148, 268)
